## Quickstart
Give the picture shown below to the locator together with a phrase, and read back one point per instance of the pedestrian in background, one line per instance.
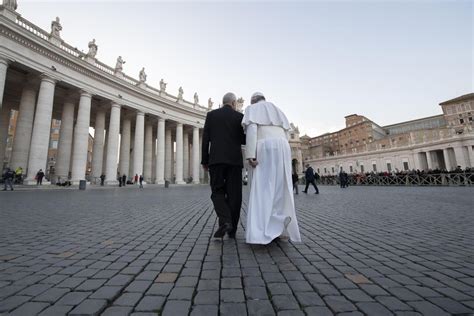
(8, 176)
(141, 181)
(124, 180)
(39, 177)
(295, 179)
(102, 179)
(310, 179)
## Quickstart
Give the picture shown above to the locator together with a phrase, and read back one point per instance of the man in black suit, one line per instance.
(222, 139)
(310, 177)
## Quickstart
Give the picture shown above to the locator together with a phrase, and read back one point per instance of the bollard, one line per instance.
(82, 184)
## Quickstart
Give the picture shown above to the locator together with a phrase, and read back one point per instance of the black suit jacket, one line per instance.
(223, 137)
(309, 174)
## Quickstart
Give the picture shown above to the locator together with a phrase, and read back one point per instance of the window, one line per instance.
(54, 144)
(292, 136)
(318, 170)
(405, 165)
(461, 121)
(332, 169)
(351, 169)
(374, 167)
(389, 167)
(362, 168)
(325, 171)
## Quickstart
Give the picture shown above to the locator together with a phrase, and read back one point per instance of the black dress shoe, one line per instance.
(222, 230)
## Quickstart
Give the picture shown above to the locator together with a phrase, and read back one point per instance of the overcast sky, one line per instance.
(317, 60)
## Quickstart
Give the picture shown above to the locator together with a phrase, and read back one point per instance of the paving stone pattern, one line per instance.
(365, 251)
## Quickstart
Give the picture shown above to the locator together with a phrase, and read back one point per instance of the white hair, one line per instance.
(228, 98)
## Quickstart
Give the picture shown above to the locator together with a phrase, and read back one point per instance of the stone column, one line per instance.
(138, 144)
(179, 154)
(168, 155)
(148, 153)
(160, 153)
(429, 160)
(3, 77)
(130, 168)
(153, 160)
(104, 152)
(38, 156)
(4, 125)
(447, 159)
(24, 125)
(113, 145)
(471, 156)
(196, 164)
(63, 161)
(460, 158)
(98, 147)
(81, 138)
(185, 156)
(125, 147)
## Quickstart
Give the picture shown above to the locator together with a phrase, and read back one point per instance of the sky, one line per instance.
(319, 61)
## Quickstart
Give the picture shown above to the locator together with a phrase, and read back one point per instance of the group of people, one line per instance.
(10, 177)
(263, 129)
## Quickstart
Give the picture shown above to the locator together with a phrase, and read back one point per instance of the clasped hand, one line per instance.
(253, 162)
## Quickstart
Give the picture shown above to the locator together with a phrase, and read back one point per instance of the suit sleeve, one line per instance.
(205, 142)
(251, 147)
(243, 138)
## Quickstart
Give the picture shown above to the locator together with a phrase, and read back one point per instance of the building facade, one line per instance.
(442, 142)
(58, 93)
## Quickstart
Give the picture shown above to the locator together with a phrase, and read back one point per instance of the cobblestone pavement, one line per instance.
(365, 251)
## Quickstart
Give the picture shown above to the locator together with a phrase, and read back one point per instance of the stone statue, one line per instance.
(56, 28)
(92, 49)
(10, 4)
(210, 104)
(180, 94)
(119, 64)
(142, 75)
(196, 98)
(240, 104)
(162, 85)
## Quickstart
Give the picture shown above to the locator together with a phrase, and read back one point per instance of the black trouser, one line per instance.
(226, 186)
(314, 185)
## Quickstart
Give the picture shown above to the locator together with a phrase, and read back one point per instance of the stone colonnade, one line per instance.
(126, 141)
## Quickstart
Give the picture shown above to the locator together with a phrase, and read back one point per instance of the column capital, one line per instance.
(85, 93)
(179, 124)
(115, 105)
(140, 113)
(5, 60)
(48, 78)
(160, 119)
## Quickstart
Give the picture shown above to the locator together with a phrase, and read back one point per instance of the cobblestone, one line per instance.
(365, 251)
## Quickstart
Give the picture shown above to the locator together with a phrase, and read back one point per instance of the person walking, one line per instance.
(222, 142)
(295, 179)
(135, 179)
(141, 181)
(124, 180)
(310, 179)
(19, 175)
(39, 177)
(271, 210)
(102, 179)
(8, 176)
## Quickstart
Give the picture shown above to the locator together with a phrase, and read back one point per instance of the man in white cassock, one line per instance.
(271, 210)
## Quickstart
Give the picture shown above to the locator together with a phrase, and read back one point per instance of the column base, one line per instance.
(196, 182)
(111, 182)
(180, 182)
(33, 182)
(76, 182)
(160, 182)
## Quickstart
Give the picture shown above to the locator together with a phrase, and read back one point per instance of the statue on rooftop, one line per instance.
(119, 64)
(162, 85)
(196, 99)
(142, 75)
(210, 104)
(92, 49)
(240, 104)
(180, 94)
(10, 4)
(56, 28)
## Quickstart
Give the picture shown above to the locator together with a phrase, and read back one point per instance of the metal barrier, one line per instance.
(425, 179)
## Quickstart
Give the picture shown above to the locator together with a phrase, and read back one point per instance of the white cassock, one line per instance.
(271, 188)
